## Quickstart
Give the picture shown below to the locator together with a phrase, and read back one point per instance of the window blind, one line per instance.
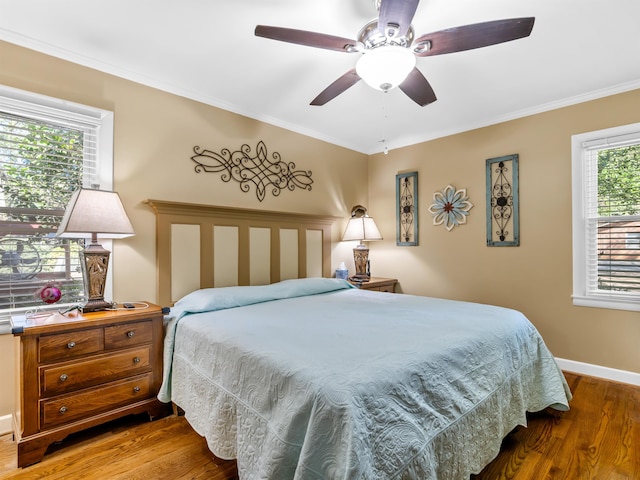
(612, 216)
(45, 155)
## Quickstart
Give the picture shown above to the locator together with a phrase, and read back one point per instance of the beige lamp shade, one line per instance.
(95, 212)
(361, 229)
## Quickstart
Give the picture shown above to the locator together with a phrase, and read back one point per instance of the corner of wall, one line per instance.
(6, 425)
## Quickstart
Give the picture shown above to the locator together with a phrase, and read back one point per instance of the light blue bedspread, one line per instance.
(315, 380)
(214, 299)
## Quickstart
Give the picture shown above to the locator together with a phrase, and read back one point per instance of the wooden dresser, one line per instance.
(80, 371)
(379, 284)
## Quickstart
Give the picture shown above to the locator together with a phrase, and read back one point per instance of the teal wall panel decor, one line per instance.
(503, 218)
(407, 209)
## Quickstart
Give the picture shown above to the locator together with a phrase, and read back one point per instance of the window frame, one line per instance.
(581, 295)
(42, 107)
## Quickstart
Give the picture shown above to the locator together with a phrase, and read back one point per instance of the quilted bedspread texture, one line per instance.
(350, 384)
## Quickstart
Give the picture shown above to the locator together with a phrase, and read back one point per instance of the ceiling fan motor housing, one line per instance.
(371, 36)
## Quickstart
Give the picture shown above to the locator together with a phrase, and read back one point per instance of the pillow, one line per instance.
(211, 299)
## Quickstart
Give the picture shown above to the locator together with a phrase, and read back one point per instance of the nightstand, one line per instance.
(80, 371)
(379, 284)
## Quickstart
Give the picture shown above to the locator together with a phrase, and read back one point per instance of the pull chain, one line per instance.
(384, 122)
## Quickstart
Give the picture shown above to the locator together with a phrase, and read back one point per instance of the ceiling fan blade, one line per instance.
(336, 88)
(395, 16)
(417, 88)
(303, 37)
(468, 37)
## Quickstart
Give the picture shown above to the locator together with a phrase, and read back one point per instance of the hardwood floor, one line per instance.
(127, 449)
(598, 439)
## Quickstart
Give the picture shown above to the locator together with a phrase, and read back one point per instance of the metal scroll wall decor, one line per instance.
(503, 223)
(258, 170)
(407, 209)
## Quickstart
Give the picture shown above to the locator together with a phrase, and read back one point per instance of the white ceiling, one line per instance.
(206, 50)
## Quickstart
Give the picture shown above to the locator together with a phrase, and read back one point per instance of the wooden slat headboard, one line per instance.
(201, 246)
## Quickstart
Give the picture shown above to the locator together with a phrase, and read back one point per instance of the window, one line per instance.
(48, 148)
(606, 218)
(633, 240)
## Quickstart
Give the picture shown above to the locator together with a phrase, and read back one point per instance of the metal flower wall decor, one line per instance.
(259, 170)
(451, 207)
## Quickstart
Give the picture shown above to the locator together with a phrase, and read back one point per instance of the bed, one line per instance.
(311, 378)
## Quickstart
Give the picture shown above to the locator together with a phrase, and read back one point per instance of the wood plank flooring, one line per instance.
(598, 439)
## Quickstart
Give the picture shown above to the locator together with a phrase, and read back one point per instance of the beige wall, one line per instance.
(535, 277)
(155, 133)
(7, 379)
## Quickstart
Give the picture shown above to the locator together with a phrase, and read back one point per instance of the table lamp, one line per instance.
(93, 214)
(361, 227)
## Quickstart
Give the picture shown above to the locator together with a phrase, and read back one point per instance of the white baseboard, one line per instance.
(607, 373)
(6, 425)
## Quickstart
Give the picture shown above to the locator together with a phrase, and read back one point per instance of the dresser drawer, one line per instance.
(385, 288)
(61, 410)
(70, 344)
(56, 379)
(128, 334)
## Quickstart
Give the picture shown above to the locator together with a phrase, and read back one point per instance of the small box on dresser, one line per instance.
(80, 371)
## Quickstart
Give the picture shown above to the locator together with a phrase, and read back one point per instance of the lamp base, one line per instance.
(361, 279)
(95, 265)
(361, 260)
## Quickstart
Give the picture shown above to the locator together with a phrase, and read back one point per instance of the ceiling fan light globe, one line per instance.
(385, 67)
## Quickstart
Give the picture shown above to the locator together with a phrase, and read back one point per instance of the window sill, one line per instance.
(606, 302)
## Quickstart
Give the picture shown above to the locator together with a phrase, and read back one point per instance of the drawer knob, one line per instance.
(70, 345)
(131, 333)
(63, 377)
(63, 410)
(136, 359)
(136, 389)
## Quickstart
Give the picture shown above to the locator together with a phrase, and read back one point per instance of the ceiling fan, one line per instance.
(389, 49)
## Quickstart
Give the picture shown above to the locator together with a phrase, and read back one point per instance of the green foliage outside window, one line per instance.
(619, 181)
(619, 227)
(41, 165)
